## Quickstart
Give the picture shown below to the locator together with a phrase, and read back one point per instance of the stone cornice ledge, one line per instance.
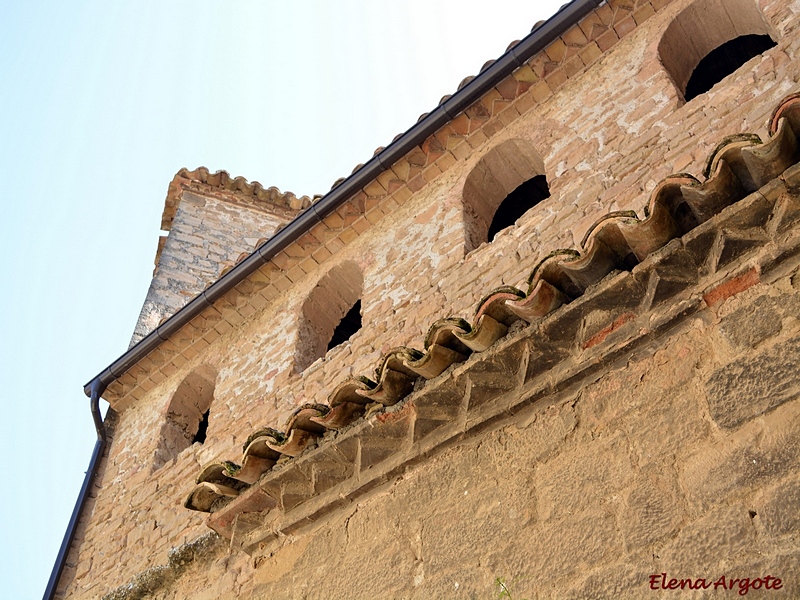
(753, 240)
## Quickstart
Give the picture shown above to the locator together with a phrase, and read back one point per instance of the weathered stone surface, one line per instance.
(753, 385)
(559, 551)
(592, 474)
(696, 549)
(654, 511)
(779, 507)
(751, 325)
(540, 436)
(667, 424)
(761, 452)
(613, 581)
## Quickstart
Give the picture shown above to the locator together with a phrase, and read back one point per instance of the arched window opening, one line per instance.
(517, 203)
(722, 61)
(331, 314)
(349, 324)
(710, 40)
(187, 416)
(505, 184)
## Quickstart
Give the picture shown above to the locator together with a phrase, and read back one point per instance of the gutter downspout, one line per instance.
(568, 15)
(97, 389)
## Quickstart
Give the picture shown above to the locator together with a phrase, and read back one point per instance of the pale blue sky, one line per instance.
(101, 103)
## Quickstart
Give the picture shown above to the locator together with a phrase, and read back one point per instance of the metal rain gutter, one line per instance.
(569, 15)
(97, 390)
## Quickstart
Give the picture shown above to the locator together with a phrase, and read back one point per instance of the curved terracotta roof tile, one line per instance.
(790, 110)
(485, 333)
(738, 166)
(254, 191)
(214, 487)
(392, 387)
(444, 332)
(465, 81)
(494, 304)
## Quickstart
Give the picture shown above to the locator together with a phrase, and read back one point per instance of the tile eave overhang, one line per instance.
(530, 368)
(700, 243)
(569, 15)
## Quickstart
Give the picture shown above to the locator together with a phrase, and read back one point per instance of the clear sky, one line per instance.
(101, 103)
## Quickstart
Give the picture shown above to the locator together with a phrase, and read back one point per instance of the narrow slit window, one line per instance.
(202, 429)
(187, 417)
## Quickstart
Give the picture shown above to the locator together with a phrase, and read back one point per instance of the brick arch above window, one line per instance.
(330, 315)
(187, 415)
(507, 182)
(709, 40)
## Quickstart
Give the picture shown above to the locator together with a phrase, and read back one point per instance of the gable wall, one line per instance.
(606, 138)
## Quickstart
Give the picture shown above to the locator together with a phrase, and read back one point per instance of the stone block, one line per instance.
(583, 478)
(779, 508)
(668, 420)
(760, 452)
(753, 385)
(439, 406)
(496, 373)
(542, 357)
(618, 580)
(750, 325)
(559, 552)
(710, 543)
(388, 435)
(332, 464)
(542, 432)
(653, 511)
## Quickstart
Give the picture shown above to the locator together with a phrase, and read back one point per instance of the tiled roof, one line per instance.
(530, 84)
(739, 166)
(239, 189)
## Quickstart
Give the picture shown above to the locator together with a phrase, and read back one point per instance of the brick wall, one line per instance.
(581, 495)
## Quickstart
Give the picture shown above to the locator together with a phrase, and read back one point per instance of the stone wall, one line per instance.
(597, 489)
(677, 455)
(206, 235)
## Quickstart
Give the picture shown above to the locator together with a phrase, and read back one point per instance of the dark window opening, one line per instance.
(202, 429)
(724, 60)
(349, 324)
(517, 203)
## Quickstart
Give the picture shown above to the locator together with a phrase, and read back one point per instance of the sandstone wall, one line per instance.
(582, 494)
(679, 457)
(684, 461)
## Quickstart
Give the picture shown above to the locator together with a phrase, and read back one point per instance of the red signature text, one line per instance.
(742, 585)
